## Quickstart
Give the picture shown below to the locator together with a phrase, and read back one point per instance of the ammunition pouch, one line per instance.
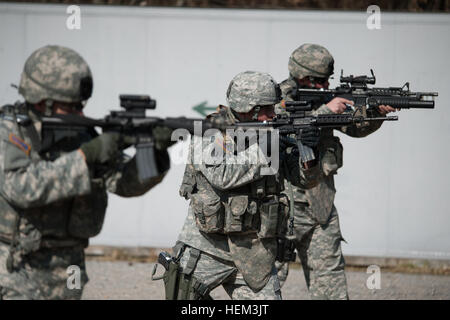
(331, 155)
(209, 212)
(254, 208)
(269, 215)
(241, 214)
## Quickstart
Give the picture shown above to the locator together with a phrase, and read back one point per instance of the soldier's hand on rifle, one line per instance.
(310, 136)
(383, 109)
(338, 105)
(162, 136)
(103, 148)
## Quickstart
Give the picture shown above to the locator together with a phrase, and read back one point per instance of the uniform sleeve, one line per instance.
(188, 185)
(26, 184)
(228, 170)
(124, 180)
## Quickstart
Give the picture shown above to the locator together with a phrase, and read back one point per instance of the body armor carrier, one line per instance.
(69, 222)
(254, 208)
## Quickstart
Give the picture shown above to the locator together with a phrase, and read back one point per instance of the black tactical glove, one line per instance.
(103, 148)
(285, 143)
(310, 136)
(162, 136)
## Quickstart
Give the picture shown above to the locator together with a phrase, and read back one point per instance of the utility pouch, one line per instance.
(234, 215)
(209, 213)
(268, 212)
(332, 155)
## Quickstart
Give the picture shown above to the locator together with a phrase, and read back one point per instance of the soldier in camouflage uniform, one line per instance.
(53, 190)
(235, 215)
(316, 223)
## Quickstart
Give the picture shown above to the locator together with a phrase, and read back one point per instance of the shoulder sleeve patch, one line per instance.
(18, 142)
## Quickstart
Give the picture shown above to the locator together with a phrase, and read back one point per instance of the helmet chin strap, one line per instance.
(48, 108)
(255, 113)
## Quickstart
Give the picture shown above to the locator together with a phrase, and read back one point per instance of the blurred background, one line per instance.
(392, 193)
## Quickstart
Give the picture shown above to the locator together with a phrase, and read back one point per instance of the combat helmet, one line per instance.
(311, 60)
(251, 88)
(55, 73)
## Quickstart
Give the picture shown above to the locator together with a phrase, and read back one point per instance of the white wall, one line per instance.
(392, 191)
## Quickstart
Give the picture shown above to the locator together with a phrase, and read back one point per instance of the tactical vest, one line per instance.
(255, 208)
(64, 223)
(258, 207)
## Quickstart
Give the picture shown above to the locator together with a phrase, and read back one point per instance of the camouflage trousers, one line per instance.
(319, 250)
(213, 271)
(42, 275)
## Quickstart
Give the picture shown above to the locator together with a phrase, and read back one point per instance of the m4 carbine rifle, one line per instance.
(352, 88)
(355, 88)
(132, 122)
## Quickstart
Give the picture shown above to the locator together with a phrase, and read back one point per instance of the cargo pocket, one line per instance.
(234, 216)
(209, 213)
(332, 158)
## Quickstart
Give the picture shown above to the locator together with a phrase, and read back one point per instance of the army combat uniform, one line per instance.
(316, 223)
(48, 211)
(234, 218)
(53, 184)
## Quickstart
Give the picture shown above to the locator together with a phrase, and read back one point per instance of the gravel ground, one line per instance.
(123, 280)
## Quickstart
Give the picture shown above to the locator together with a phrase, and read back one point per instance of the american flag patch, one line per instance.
(22, 145)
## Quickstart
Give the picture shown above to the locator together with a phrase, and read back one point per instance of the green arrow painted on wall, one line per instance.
(203, 109)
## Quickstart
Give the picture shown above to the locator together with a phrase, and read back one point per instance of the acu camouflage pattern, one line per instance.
(42, 274)
(54, 72)
(319, 246)
(250, 88)
(319, 250)
(253, 256)
(213, 271)
(311, 60)
(321, 197)
(48, 210)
